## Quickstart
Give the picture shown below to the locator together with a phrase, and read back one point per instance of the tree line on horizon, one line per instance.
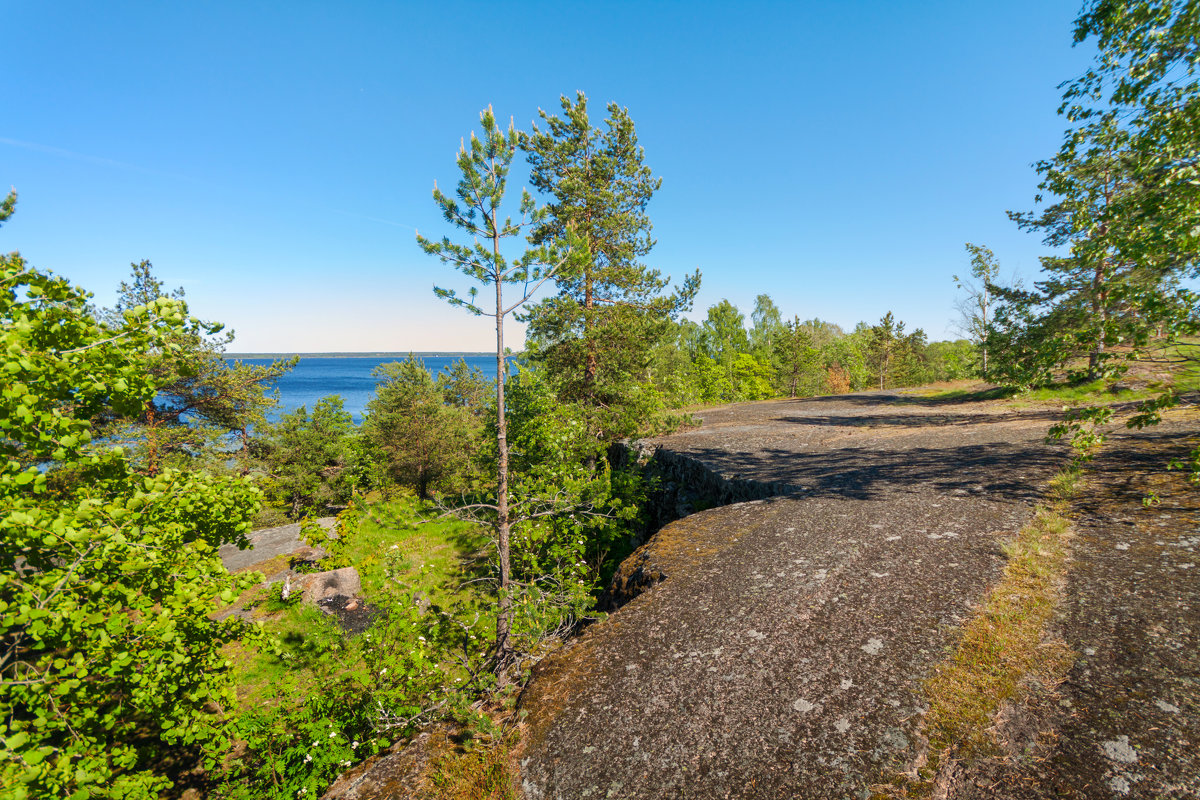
(133, 449)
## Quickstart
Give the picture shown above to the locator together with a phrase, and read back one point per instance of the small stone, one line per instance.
(842, 725)
(1123, 546)
(846, 684)
(873, 646)
(803, 706)
(1119, 785)
(1167, 707)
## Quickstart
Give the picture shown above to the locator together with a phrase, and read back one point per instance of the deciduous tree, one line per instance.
(108, 578)
(975, 307)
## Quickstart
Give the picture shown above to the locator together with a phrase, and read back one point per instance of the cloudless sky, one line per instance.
(274, 158)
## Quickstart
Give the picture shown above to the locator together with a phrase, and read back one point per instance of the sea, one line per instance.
(349, 376)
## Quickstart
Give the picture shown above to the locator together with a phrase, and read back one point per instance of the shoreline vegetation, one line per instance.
(397, 354)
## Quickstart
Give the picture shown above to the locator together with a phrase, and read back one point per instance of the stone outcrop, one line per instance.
(776, 647)
(395, 774)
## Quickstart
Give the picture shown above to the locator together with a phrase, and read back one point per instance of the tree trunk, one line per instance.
(504, 612)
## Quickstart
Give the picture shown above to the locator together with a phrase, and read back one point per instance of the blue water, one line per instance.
(349, 376)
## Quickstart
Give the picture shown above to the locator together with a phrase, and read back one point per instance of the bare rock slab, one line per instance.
(779, 655)
(266, 543)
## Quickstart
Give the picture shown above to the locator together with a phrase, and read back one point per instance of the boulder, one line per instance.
(317, 586)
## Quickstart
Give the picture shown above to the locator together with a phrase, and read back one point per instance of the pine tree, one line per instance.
(794, 356)
(596, 336)
(484, 166)
(885, 341)
(203, 399)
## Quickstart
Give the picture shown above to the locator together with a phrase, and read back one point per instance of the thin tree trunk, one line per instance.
(1100, 311)
(983, 333)
(504, 613)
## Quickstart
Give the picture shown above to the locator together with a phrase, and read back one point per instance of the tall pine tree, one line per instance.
(475, 210)
(596, 336)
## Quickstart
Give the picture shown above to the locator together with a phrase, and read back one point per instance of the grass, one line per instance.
(485, 771)
(1091, 392)
(1002, 646)
(1186, 376)
(967, 394)
(432, 557)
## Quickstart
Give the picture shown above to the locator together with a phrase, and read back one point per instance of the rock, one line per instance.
(317, 586)
(396, 773)
(776, 645)
(306, 556)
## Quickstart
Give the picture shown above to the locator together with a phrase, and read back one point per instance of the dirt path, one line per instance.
(781, 652)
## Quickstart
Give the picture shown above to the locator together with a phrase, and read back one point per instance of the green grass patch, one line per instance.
(1186, 371)
(432, 554)
(969, 394)
(1088, 393)
(1001, 647)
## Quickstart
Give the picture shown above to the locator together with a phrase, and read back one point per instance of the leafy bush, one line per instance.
(109, 657)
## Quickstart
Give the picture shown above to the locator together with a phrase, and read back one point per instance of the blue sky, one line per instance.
(275, 158)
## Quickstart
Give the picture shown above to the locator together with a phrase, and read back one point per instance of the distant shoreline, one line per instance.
(373, 354)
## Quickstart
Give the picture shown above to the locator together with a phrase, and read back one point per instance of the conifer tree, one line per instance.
(596, 336)
(203, 399)
(794, 355)
(484, 166)
(883, 344)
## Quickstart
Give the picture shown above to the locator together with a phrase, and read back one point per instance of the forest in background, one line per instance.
(133, 449)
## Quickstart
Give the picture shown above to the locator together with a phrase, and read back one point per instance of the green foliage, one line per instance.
(767, 329)
(723, 334)
(358, 694)
(796, 360)
(952, 361)
(572, 520)
(306, 457)
(203, 403)
(107, 577)
(428, 430)
(476, 212)
(975, 306)
(895, 358)
(595, 338)
(1125, 205)
(751, 378)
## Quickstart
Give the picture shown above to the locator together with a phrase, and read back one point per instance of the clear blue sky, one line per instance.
(274, 158)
